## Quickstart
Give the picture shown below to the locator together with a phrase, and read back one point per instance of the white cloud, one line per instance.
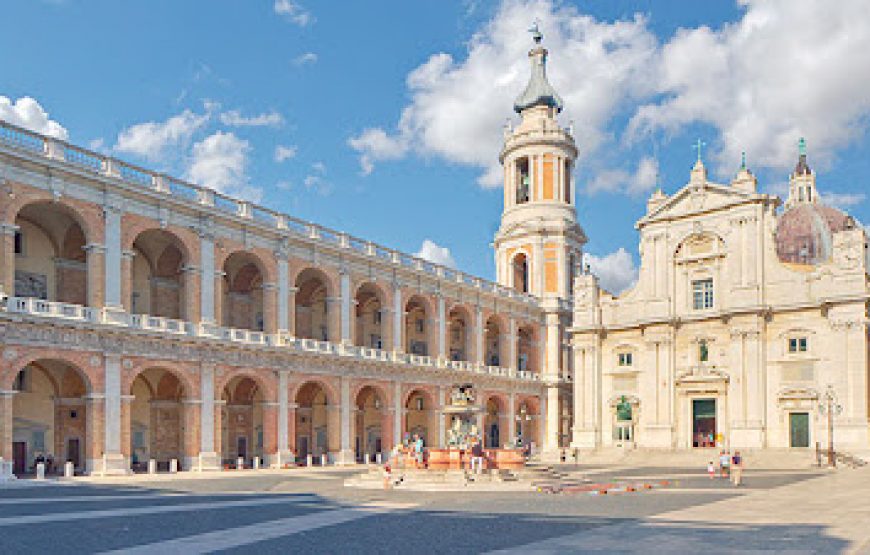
(432, 252)
(306, 58)
(294, 12)
(284, 153)
(641, 181)
(842, 200)
(152, 140)
(781, 70)
(786, 69)
(316, 180)
(616, 271)
(220, 161)
(374, 144)
(26, 112)
(234, 118)
(458, 107)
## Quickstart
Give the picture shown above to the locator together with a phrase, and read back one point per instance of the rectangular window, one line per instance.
(523, 181)
(419, 324)
(376, 316)
(19, 243)
(20, 381)
(797, 345)
(625, 359)
(702, 294)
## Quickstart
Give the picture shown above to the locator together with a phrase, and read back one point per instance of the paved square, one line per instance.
(313, 512)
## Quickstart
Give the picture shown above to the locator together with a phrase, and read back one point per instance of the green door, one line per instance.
(799, 422)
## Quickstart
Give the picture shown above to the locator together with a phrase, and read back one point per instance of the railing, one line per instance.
(56, 149)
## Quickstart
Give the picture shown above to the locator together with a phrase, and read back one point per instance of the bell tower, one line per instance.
(539, 242)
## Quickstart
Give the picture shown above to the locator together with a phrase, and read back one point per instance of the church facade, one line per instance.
(145, 318)
(747, 325)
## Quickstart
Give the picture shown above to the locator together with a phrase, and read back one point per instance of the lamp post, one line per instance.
(828, 406)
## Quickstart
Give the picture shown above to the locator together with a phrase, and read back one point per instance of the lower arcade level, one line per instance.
(110, 399)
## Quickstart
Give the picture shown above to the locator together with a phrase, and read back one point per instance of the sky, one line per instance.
(384, 119)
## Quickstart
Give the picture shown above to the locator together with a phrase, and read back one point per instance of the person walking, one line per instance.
(477, 456)
(737, 469)
(418, 450)
(724, 463)
(711, 470)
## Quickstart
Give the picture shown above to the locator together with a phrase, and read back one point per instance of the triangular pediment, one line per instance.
(695, 199)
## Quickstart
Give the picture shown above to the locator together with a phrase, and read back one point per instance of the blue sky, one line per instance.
(388, 114)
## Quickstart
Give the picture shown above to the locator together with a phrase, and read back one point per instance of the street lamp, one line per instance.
(828, 406)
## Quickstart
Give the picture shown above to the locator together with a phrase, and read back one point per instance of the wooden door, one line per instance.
(19, 457)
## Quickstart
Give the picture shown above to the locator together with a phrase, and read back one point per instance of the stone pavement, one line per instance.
(830, 513)
(311, 511)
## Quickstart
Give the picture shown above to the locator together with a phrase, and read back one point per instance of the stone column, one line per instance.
(95, 440)
(126, 424)
(191, 294)
(333, 319)
(512, 346)
(114, 461)
(291, 432)
(346, 455)
(479, 354)
(397, 413)
(191, 411)
(217, 432)
(7, 260)
(553, 423)
(112, 273)
(346, 305)
(442, 422)
(283, 295)
(442, 329)
(271, 423)
(207, 290)
(96, 268)
(283, 455)
(218, 298)
(270, 307)
(398, 313)
(6, 425)
(127, 280)
(209, 421)
(512, 419)
(291, 310)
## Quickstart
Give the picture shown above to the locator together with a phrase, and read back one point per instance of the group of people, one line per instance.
(730, 466)
(47, 460)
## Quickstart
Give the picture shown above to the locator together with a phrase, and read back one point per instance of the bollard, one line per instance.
(323, 459)
(378, 458)
(173, 466)
(240, 463)
(40, 471)
(152, 466)
(69, 470)
(256, 463)
(367, 459)
(309, 460)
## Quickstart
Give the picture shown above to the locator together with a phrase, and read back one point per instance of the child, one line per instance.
(388, 474)
(711, 470)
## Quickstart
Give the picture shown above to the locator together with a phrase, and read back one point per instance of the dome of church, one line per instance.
(804, 233)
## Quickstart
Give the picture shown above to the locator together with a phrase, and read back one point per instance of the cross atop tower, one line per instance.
(699, 144)
(537, 36)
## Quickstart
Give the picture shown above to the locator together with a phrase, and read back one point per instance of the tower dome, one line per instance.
(804, 233)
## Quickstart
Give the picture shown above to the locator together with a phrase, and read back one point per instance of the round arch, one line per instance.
(243, 304)
(49, 417)
(161, 426)
(371, 423)
(421, 416)
(316, 423)
(459, 333)
(418, 329)
(313, 315)
(495, 421)
(370, 326)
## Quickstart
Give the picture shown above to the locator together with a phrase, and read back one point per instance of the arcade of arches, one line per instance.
(52, 413)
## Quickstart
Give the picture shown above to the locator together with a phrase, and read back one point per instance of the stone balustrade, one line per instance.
(32, 307)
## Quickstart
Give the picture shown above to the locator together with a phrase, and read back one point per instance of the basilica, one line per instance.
(144, 319)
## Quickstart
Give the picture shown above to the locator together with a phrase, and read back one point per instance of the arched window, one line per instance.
(523, 180)
(521, 273)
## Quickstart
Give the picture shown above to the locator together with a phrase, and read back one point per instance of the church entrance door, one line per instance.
(704, 423)
(799, 426)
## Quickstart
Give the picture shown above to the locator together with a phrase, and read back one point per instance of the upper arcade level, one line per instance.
(91, 238)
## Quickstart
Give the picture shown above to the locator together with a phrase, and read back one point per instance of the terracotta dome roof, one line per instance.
(804, 233)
